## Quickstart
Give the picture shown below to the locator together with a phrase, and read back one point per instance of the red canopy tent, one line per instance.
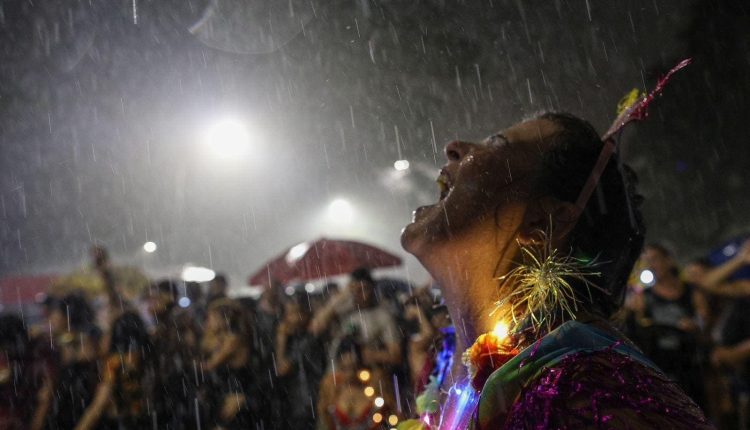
(22, 290)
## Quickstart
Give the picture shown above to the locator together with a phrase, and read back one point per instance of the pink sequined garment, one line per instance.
(603, 390)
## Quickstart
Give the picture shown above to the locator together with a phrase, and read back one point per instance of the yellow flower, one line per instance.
(629, 100)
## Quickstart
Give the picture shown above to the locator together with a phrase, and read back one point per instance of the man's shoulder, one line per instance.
(610, 386)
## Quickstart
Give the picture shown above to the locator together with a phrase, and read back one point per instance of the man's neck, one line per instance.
(468, 277)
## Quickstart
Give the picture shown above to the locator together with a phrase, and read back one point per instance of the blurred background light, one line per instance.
(149, 247)
(341, 210)
(228, 139)
(401, 165)
(197, 274)
(647, 278)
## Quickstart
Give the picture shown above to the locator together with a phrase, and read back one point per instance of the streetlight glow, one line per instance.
(149, 247)
(341, 210)
(401, 165)
(228, 139)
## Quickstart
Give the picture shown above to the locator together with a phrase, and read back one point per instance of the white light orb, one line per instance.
(341, 210)
(647, 277)
(184, 302)
(379, 402)
(149, 247)
(197, 274)
(228, 139)
(401, 165)
(289, 291)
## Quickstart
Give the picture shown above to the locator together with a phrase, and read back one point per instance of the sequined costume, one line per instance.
(583, 376)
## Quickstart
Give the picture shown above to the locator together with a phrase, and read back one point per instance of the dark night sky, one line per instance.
(103, 105)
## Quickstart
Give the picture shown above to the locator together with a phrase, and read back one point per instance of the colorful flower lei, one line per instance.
(486, 355)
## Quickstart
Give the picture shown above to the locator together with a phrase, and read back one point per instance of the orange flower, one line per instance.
(488, 354)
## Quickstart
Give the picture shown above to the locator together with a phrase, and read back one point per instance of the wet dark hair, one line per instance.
(665, 252)
(220, 278)
(78, 311)
(362, 274)
(129, 333)
(301, 300)
(168, 286)
(610, 229)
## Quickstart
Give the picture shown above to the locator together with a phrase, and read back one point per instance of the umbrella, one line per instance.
(322, 258)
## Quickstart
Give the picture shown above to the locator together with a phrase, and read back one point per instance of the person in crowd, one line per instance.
(26, 377)
(162, 301)
(123, 394)
(227, 351)
(300, 364)
(266, 315)
(664, 322)
(358, 314)
(75, 339)
(176, 340)
(217, 288)
(348, 395)
(731, 355)
(513, 195)
(423, 345)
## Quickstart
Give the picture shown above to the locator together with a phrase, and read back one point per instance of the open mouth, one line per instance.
(445, 185)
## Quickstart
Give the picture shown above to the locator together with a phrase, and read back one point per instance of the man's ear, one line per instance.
(547, 216)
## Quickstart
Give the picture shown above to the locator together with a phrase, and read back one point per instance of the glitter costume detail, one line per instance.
(580, 373)
(592, 389)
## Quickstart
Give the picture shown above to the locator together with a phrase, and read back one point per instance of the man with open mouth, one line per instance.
(510, 248)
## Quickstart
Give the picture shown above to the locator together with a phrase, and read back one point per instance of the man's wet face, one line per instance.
(478, 180)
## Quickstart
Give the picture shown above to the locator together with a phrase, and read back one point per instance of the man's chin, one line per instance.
(415, 238)
(410, 238)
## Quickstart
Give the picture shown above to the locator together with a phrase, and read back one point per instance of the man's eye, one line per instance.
(497, 140)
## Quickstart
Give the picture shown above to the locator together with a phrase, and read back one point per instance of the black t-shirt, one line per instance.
(666, 312)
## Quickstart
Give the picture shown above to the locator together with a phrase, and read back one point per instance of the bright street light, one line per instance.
(401, 165)
(149, 247)
(341, 210)
(228, 139)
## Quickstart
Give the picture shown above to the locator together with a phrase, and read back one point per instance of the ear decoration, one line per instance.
(542, 292)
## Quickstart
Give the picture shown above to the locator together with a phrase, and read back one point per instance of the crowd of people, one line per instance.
(350, 357)
(330, 360)
(693, 323)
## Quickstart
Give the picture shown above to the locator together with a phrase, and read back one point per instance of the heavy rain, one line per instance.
(221, 214)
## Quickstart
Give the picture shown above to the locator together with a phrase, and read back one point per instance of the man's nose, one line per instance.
(456, 150)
